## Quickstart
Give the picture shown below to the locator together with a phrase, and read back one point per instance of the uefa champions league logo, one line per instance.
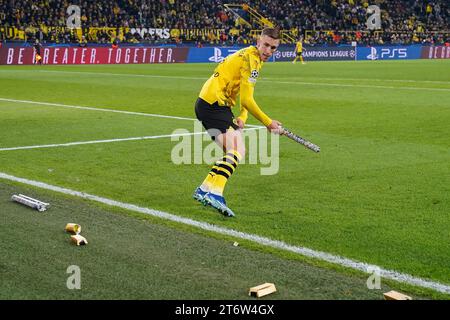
(277, 54)
(254, 74)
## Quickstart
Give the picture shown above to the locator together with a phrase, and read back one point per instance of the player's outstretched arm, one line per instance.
(249, 103)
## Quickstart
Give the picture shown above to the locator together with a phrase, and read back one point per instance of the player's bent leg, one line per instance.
(208, 182)
(232, 143)
(207, 114)
(220, 125)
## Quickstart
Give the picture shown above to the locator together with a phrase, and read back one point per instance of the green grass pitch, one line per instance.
(378, 192)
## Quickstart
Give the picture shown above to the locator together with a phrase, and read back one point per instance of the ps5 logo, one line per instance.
(388, 53)
(394, 53)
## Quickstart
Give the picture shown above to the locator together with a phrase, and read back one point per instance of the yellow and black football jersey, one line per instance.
(236, 75)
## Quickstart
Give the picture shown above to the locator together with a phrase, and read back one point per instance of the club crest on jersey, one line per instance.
(253, 76)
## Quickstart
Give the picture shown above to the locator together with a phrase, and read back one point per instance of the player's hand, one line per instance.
(240, 123)
(275, 127)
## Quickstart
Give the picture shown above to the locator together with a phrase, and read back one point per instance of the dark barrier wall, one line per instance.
(96, 55)
(19, 55)
(135, 55)
(438, 52)
(285, 53)
(210, 54)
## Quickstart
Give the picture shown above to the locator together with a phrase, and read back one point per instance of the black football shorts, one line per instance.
(214, 118)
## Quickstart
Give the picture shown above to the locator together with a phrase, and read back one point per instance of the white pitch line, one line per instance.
(105, 110)
(95, 109)
(360, 86)
(125, 74)
(262, 80)
(203, 78)
(70, 144)
(342, 261)
(367, 79)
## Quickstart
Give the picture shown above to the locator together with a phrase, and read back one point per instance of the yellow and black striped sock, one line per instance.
(209, 180)
(223, 169)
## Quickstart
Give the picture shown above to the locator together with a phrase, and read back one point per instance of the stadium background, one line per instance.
(378, 193)
(207, 31)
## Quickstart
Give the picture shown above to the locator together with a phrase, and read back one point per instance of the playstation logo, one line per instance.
(373, 54)
(217, 57)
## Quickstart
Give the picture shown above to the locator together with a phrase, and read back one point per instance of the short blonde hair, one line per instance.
(274, 33)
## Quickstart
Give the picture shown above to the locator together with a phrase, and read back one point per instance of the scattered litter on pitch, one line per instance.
(30, 202)
(73, 228)
(78, 240)
(262, 290)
